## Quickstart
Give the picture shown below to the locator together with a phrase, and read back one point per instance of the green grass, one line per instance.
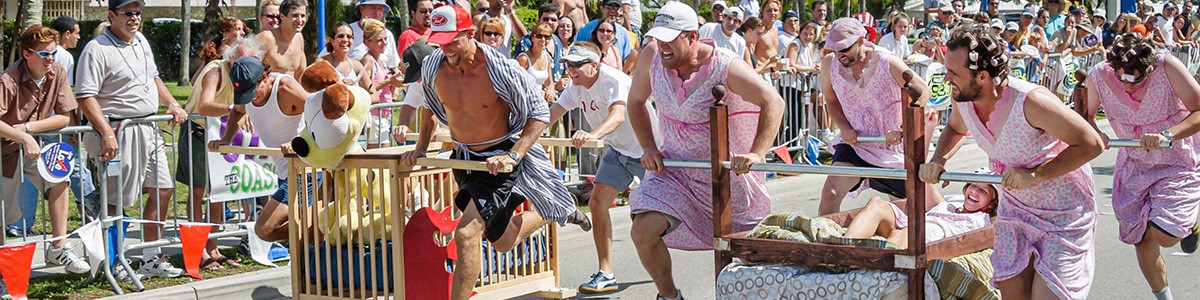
(72, 286)
(181, 93)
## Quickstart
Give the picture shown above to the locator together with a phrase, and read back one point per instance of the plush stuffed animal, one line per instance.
(360, 208)
(335, 115)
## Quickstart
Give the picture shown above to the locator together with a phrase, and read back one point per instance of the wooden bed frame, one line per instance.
(534, 275)
(913, 261)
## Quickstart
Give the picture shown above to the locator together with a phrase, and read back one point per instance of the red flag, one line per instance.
(14, 266)
(782, 153)
(194, 237)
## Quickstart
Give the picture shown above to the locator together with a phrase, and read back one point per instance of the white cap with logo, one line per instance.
(673, 18)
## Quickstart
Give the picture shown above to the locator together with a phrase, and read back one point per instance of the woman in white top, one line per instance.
(537, 60)
(348, 69)
(888, 220)
(897, 38)
(801, 54)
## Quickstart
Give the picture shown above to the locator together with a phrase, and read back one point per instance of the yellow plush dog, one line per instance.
(335, 115)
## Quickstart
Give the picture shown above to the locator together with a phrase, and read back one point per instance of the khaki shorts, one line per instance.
(10, 197)
(143, 163)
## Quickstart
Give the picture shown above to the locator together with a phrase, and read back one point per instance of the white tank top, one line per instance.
(538, 75)
(272, 126)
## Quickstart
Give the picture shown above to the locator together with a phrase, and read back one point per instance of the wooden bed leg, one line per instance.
(722, 225)
(1079, 95)
(916, 147)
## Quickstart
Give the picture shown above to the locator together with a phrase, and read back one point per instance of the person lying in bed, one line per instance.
(885, 219)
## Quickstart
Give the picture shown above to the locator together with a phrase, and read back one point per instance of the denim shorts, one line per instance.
(617, 170)
(282, 196)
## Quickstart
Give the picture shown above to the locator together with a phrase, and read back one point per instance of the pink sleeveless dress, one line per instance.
(1161, 186)
(1054, 221)
(686, 194)
(872, 107)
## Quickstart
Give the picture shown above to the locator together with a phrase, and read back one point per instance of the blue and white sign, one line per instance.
(56, 162)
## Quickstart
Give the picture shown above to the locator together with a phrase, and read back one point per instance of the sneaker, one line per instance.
(159, 267)
(1189, 243)
(244, 247)
(4, 291)
(602, 282)
(121, 274)
(678, 296)
(581, 219)
(67, 258)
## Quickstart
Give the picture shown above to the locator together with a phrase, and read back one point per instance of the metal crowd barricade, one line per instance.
(170, 219)
(76, 182)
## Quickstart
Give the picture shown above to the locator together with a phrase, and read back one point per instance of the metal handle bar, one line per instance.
(837, 171)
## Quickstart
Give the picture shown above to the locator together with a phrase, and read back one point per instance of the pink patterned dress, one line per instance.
(686, 194)
(872, 107)
(1053, 222)
(1161, 186)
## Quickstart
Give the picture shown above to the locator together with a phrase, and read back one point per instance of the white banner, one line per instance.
(236, 177)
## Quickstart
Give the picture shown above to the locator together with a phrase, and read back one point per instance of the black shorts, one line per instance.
(493, 194)
(894, 187)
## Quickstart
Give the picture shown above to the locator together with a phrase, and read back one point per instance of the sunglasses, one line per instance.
(578, 64)
(549, 19)
(613, 6)
(131, 13)
(492, 33)
(543, 36)
(43, 53)
(277, 17)
(848, 48)
(1130, 79)
(482, 9)
(605, 31)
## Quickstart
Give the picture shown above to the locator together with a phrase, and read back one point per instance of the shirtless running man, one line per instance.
(484, 123)
(285, 45)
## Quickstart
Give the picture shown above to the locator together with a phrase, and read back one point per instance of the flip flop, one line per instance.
(224, 260)
(211, 265)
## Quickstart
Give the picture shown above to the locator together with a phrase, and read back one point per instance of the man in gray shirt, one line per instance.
(116, 79)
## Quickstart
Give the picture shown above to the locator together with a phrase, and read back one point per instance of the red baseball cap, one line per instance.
(446, 22)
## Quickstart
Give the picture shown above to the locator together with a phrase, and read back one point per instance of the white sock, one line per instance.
(149, 254)
(1164, 294)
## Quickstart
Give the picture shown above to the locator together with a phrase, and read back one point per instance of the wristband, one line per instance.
(174, 104)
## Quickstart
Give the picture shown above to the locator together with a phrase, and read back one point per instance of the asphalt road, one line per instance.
(1117, 274)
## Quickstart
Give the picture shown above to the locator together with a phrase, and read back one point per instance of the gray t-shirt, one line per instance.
(120, 75)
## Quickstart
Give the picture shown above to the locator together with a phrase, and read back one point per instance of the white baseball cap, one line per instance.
(735, 12)
(719, 3)
(673, 18)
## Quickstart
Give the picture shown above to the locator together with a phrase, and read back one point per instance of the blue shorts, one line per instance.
(617, 170)
(281, 194)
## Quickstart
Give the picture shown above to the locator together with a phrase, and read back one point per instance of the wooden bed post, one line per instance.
(1079, 95)
(719, 142)
(916, 147)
